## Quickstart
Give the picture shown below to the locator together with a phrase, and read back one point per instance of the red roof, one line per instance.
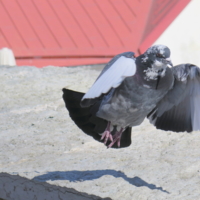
(75, 32)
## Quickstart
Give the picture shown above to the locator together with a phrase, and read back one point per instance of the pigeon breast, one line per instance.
(130, 103)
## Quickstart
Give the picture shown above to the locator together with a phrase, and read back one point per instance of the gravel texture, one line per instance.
(39, 141)
(15, 187)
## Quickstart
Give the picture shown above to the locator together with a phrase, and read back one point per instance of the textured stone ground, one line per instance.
(15, 187)
(39, 141)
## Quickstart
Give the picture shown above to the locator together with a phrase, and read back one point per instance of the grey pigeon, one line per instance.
(131, 88)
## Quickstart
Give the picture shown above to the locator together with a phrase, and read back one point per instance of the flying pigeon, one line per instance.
(131, 88)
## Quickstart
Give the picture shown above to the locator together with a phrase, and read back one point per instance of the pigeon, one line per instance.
(131, 88)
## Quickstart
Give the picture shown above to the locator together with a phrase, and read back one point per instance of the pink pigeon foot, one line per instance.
(116, 138)
(107, 134)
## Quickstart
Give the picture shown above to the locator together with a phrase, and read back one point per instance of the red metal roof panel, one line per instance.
(39, 26)
(162, 13)
(19, 21)
(71, 31)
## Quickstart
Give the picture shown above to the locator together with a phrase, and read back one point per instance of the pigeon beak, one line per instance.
(169, 62)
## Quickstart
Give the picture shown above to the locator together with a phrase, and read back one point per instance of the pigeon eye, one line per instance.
(159, 55)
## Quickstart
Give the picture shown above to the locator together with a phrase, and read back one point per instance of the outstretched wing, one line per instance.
(114, 73)
(179, 110)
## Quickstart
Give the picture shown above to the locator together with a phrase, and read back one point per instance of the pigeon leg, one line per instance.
(107, 134)
(116, 138)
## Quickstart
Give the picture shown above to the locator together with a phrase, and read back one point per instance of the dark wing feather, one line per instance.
(179, 110)
(86, 120)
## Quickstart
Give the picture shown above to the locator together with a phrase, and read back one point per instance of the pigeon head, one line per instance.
(158, 56)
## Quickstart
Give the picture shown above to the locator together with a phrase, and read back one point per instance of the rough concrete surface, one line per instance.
(14, 187)
(39, 141)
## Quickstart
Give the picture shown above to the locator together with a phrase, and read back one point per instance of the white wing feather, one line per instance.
(123, 67)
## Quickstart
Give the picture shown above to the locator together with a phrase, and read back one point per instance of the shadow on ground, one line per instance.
(74, 176)
(14, 187)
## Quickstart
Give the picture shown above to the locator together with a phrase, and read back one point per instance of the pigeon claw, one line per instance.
(116, 138)
(114, 141)
(107, 135)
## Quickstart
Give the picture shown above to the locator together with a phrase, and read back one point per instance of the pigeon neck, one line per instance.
(143, 62)
(144, 66)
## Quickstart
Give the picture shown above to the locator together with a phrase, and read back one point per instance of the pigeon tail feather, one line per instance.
(85, 119)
